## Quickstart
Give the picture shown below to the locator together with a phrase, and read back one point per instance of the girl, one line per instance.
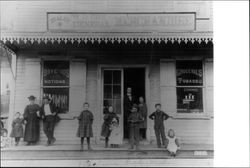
(108, 117)
(5, 141)
(172, 143)
(115, 136)
(17, 128)
(85, 125)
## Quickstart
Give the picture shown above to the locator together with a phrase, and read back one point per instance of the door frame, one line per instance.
(100, 69)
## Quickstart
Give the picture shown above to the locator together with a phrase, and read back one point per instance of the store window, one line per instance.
(189, 80)
(56, 83)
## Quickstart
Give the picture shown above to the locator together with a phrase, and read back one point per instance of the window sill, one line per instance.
(192, 116)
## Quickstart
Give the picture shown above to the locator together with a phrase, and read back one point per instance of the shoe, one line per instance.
(53, 140)
(81, 148)
(132, 147)
(158, 146)
(48, 143)
(137, 148)
(89, 148)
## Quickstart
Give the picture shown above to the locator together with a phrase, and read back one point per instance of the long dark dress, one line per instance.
(85, 124)
(143, 111)
(108, 117)
(32, 128)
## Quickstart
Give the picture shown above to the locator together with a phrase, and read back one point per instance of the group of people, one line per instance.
(135, 118)
(31, 119)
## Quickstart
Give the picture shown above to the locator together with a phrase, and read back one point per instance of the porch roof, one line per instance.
(46, 37)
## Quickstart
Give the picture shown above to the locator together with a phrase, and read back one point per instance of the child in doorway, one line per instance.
(159, 116)
(172, 143)
(85, 125)
(17, 128)
(115, 136)
(134, 120)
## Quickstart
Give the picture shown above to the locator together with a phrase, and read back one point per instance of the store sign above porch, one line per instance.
(121, 22)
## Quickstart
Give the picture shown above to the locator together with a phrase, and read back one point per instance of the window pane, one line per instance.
(189, 73)
(107, 91)
(117, 106)
(116, 91)
(60, 98)
(189, 100)
(116, 77)
(107, 77)
(56, 73)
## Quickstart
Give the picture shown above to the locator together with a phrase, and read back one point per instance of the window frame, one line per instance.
(203, 115)
(43, 59)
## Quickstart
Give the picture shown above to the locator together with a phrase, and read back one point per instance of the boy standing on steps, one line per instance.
(159, 116)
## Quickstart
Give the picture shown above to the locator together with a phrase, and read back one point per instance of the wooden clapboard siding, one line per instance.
(30, 16)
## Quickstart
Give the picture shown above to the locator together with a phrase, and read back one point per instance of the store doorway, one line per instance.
(135, 79)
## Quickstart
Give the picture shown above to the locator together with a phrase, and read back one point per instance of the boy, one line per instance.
(159, 116)
(134, 120)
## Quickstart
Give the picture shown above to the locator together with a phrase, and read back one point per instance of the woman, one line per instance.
(108, 117)
(31, 119)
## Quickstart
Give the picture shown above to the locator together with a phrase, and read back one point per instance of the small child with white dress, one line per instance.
(172, 143)
(115, 138)
(5, 141)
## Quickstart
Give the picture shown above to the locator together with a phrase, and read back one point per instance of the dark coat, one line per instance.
(108, 117)
(135, 119)
(144, 112)
(158, 117)
(32, 127)
(127, 104)
(17, 128)
(85, 124)
(53, 109)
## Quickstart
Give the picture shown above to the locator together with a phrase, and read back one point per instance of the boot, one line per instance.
(106, 144)
(81, 147)
(88, 141)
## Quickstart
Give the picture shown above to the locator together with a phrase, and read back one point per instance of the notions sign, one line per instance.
(121, 22)
(56, 73)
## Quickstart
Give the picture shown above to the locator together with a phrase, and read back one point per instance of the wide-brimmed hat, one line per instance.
(31, 97)
(46, 97)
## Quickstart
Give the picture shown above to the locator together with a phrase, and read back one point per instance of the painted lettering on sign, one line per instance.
(56, 73)
(118, 22)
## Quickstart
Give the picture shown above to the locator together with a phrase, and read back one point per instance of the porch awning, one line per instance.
(46, 37)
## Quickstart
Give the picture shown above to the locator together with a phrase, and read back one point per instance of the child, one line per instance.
(115, 136)
(5, 141)
(172, 143)
(143, 110)
(85, 125)
(134, 121)
(159, 116)
(17, 128)
(108, 117)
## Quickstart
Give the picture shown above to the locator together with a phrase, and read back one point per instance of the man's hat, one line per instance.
(46, 97)
(31, 97)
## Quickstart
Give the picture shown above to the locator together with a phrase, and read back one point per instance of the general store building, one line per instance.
(91, 51)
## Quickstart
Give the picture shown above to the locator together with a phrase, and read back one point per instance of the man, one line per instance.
(49, 116)
(129, 100)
